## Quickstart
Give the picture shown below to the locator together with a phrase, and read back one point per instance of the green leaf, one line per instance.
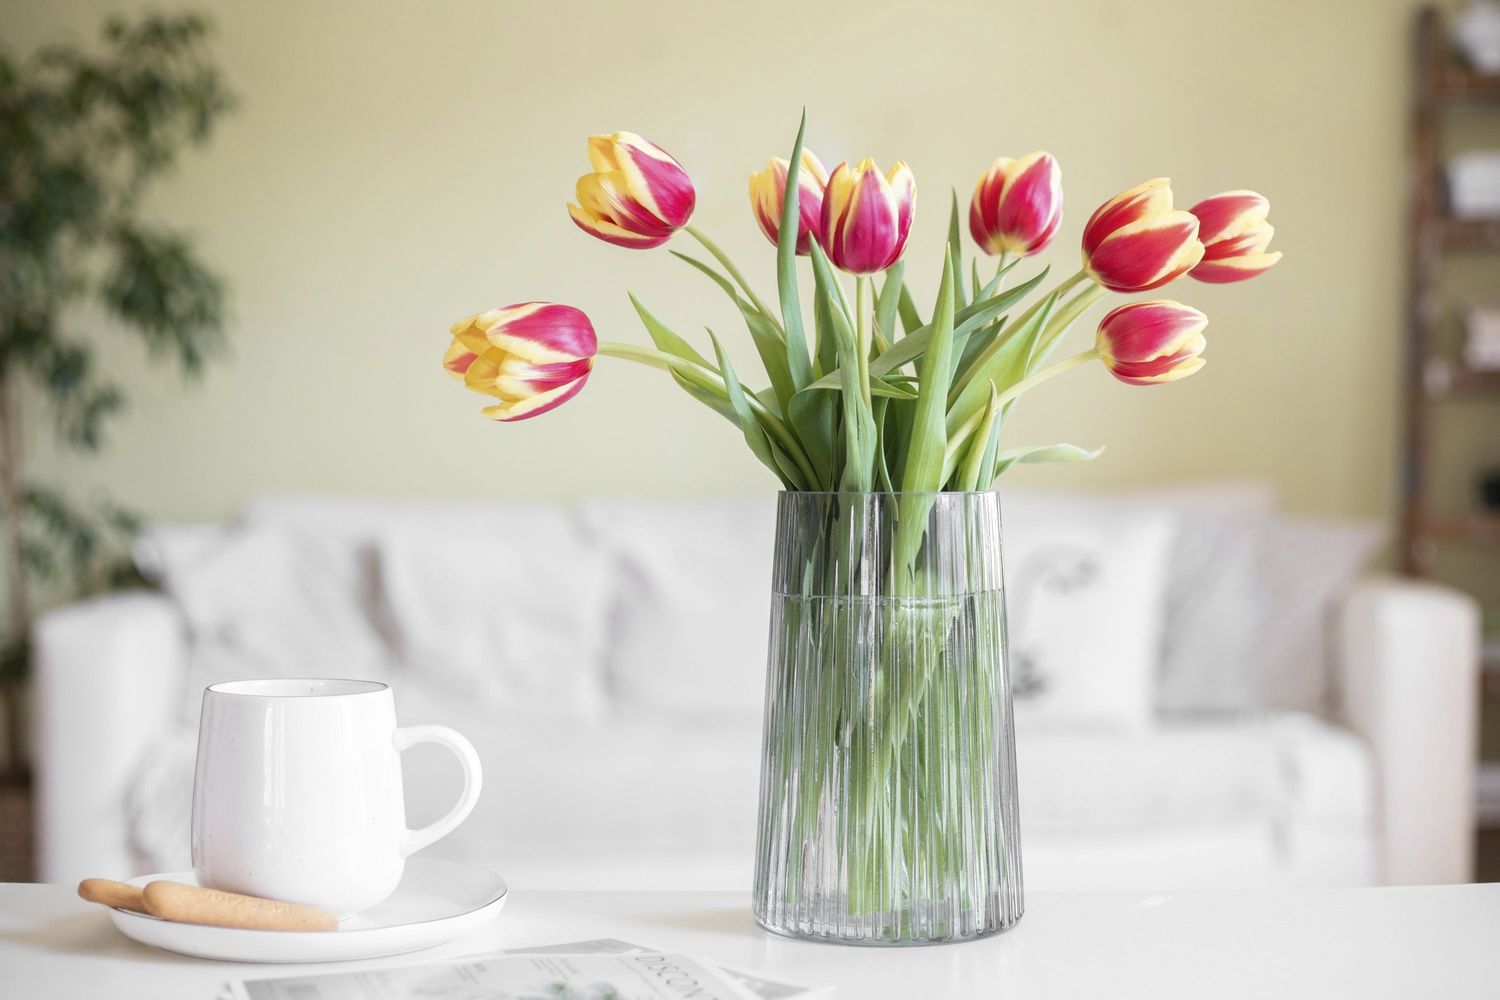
(798, 362)
(669, 342)
(956, 255)
(929, 436)
(907, 307)
(1005, 366)
(970, 473)
(888, 302)
(1037, 454)
(968, 319)
(860, 438)
(755, 435)
(923, 474)
(768, 341)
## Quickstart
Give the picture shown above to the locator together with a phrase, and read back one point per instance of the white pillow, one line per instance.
(1306, 564)
(691, 602)
(507, 610)
(267, 601)
(1084, 589)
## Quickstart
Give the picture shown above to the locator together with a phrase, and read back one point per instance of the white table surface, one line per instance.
(1324, 943)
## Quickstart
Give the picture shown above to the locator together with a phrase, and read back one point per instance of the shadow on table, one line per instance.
(86, 934)
(714, 920)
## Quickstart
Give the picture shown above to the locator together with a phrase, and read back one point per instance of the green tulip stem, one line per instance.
(734, 272)
(1032, 381)
(710, 378)
(1065, 317)
(1009, 331)
(862, 345)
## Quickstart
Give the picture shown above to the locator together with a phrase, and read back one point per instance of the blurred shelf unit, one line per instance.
(1434, 375)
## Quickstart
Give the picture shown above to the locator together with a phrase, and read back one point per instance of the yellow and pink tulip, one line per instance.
(768, 197)
(532, 357)
(1144, 343)
(637, 195)
(1236, 235)
(867, 216)
(1017, 205)
(1136, 241)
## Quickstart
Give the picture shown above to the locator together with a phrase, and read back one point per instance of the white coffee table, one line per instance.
(1327, 943)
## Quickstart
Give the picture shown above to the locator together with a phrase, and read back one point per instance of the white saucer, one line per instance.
(437, 901)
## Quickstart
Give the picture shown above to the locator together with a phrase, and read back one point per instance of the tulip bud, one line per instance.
(1148, 342)
(1235, 234)
(1136, 241)
(637, 196)
(532, 356)
(1017, 205)
(768, 197)
(867, 216)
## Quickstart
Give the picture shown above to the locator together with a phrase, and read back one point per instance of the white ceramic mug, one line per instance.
(297, 795)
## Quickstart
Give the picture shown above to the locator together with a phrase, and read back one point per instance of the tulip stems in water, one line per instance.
(734, 272)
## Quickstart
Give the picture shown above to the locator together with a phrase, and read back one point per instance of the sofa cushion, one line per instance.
(1274, 769)
(691, 602)
(501, 603)
(266, 600)
(1084, 585)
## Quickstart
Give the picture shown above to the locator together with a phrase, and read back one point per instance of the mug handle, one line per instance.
(407, 736)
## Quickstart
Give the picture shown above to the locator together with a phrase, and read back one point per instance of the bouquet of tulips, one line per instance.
(872, 395)
(887, 796)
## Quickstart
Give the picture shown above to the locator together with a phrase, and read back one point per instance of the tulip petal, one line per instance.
(1227, 215)
(1030, 206)
(655, 179)
(544, 333)
(535, 406)
(1146, 254)
(611, 233)
(458, 358)
(1154, 197)
(1230, 269)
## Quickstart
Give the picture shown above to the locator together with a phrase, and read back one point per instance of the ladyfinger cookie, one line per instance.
(191, 905)
(112, 893)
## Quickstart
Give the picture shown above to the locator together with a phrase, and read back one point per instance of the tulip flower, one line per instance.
(768, 197)
(532, 357)
(1017, 205)
(1148, 342)
(637, 195)
(1235, 234)
(1136, 241)
(867, 216)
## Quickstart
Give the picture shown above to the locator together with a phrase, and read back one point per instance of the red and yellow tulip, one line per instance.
(768, 197)
(1017, 205)
(532, 357)
(1144, 343)
(1136, 241)
(1235, 234)
(637, 195)
(867, 216)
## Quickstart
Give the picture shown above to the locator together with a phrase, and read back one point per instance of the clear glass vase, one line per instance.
(888, 782)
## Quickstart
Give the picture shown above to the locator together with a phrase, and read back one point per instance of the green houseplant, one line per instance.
(83, 134)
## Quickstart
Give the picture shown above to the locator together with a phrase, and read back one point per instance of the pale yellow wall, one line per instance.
(397, 165)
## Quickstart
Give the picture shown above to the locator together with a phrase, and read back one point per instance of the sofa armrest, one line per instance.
(1409, 668)
(106, 682)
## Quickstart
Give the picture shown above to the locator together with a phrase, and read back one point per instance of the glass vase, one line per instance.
(888, 782)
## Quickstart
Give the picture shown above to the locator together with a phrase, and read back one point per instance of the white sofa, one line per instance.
(607, 659)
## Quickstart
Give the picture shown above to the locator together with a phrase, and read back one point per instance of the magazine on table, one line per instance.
(601, 969)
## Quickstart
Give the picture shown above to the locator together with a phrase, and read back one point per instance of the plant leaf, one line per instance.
(799, 364)
(1037, 454)
(669, 342)
(768, 341)
(860, 437)
(929, 436)
(1004, 367)
(755, 434)
(956, 255)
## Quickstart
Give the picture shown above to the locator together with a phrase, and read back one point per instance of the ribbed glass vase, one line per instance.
(888, 782)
